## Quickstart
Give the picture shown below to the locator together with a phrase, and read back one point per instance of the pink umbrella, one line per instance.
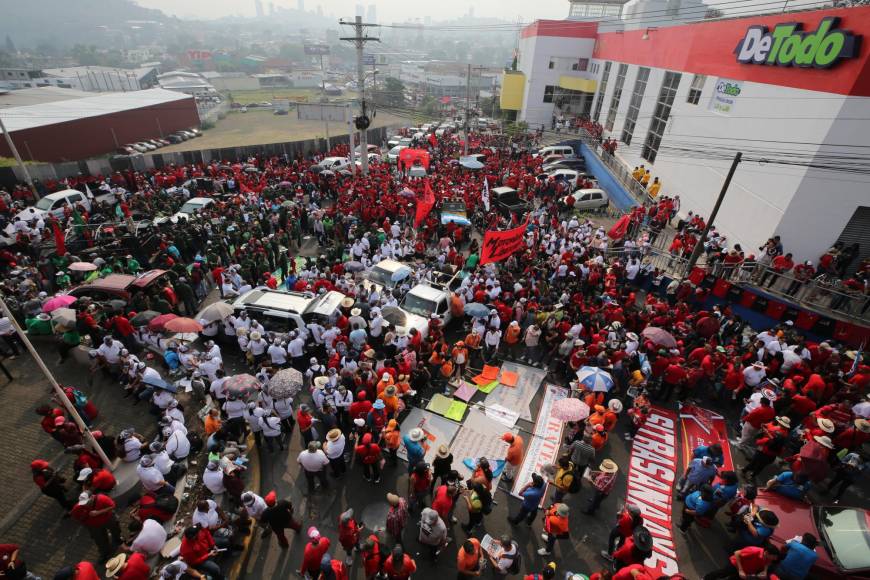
(570, 410)
(183, 325)
(659, 336)
(60, 301)
(159, 322)
(241, 385)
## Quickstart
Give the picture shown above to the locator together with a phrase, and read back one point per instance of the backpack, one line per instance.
(516, 561)
(574, 486)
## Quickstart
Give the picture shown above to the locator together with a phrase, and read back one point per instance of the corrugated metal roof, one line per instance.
(39, 95)
(30, 117)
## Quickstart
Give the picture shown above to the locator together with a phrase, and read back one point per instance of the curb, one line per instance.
(253, 485)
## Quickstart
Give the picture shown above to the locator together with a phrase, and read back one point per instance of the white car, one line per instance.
(334, 163)
(54, 204)
(587, 199)
(385, 274)
(190, 208)
(569, 175)
(416, 309)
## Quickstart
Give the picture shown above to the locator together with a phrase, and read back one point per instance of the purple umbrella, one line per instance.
(659, 337)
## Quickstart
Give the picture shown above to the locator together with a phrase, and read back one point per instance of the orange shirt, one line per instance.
(382, 384)
(392, 438)
(212, 424)
(472, 340)
(555, 524)
(391, 404)
(469, 562)
(512, 334)
(610, 419)
(515, 451)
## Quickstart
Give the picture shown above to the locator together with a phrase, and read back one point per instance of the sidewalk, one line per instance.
(30, 519)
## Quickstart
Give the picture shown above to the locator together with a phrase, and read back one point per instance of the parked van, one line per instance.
(563, 150)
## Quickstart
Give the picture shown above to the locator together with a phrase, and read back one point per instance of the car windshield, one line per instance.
(380, 276)
(44, 203)
(395, 150)
(848, 536)
(417, 305)
(191, 207)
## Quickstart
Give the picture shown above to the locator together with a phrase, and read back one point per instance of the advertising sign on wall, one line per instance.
(725, 95)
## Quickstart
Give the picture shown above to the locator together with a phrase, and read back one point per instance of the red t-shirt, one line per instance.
(759, 416)
(752, 559)
(82, 513)
(625, 573)
(86, 571)
(196, 551)
(136, 569)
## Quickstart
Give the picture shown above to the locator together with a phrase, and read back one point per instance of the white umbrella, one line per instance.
(595, 379)
(216, 311)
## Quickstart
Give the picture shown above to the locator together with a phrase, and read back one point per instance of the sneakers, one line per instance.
(627, 437)
(543, 552)
(378, 480)
(545, 537)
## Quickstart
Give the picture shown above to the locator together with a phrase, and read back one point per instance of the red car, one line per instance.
(118, 286)
(843, 533)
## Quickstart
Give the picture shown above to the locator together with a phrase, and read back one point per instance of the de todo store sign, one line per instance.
(789, 45)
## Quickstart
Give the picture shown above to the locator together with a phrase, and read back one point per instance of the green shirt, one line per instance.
(72, 337)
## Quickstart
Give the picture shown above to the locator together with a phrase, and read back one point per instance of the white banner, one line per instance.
(478, 437)
(544, 444)
(438, 430)
(485, 195)
(517, 398)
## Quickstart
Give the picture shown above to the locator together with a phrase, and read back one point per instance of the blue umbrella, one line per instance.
(595, 379)
(459, 220)
(160, 384)
(477, 310)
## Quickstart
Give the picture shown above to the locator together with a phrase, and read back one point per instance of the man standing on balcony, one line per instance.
(779, 266)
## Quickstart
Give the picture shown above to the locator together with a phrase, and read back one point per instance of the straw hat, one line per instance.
(115, 565)
(333, 435)
(863, 425)
(443, 451)
(784, 421)
(347, 302)
(255, 335)
(370, 353)
(608, 466)
(355, 312)
(825, 425)
(416, 434)
(320, 382)
(824, 441)
(392, 499)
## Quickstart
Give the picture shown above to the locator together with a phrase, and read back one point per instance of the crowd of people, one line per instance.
(570, 297)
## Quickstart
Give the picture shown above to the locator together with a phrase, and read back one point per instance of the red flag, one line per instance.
(620, 228)
(433, 141)
(424, 204)
(59, 242)
(499, 245)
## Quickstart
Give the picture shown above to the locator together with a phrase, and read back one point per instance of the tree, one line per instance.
(392, 94)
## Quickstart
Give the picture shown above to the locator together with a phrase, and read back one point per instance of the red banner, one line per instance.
(59, 242)
(424, 204)
(499, 245)
(651, 476)
(704, 427)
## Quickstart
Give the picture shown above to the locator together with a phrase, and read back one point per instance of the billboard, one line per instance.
(316, 49)
(322, 112)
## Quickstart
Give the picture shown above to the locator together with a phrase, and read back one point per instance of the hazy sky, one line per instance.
(387, 10)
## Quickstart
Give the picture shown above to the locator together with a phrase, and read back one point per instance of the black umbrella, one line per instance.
(144, 317)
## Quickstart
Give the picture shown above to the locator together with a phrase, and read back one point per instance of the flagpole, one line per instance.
(58, 391)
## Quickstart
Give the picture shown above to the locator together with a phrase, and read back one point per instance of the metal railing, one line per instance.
(618, 168)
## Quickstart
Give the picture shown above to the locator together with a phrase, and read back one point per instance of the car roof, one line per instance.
(427, 292)
(326, 304)
(112, 282)
(200, 200)
(62, 193)
(145, 278)
(263, 297)
(585, 191)
(389, 265)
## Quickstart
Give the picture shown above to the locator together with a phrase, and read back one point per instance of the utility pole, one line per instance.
(467, 103)
(322, 99)
(359, 39)
(58, 391)
(351, 157)
(696, 253)
(18, 160)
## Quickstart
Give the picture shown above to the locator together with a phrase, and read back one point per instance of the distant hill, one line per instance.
(64, 23)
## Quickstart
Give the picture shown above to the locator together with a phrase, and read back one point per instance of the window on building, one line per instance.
(602, 90)
(552, 63)
(634, 104)
(577, 10)
(581, 64)
(612, 10)
(549, 91)
(617, 95)
(695, 89)
(595, 11)
(660, 116)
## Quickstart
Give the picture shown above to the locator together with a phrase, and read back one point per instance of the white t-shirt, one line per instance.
(111, 352)
(151, 539)
(151, 478)
(208, 519)
(313, 462)
(214, 481)
(177, 445)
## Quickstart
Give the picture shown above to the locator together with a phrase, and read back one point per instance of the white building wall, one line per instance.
(807, 207)
(534, 61)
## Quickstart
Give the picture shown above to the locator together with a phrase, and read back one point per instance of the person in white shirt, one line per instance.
(217, 388)
(296, 350)
(491, 340)
(277, 353)
(150, 537)
(174, 413)
(162, 461)
(213, 478)
(314, 461)
(208, 515)
(284, 409)
(754, 374)
(171, 423)
(161, 399)
(111, 350)
(254, 505)
(334, 450)
(235, 412)
(151, 478)
(270, 424)
(176, 444)
(209, 366)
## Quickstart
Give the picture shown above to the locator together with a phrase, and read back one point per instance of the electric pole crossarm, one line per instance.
(362, 122)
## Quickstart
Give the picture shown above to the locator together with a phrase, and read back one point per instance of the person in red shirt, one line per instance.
(96, 512)
(134, 567)
(197, 550)
(348, 534)
(100, 480)
(633, 572)
(80, 571)
(372, 556)
(749, 562)
(627, 521)
(753, 421)
(399, 565)
(316, 547)
(674, 377)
